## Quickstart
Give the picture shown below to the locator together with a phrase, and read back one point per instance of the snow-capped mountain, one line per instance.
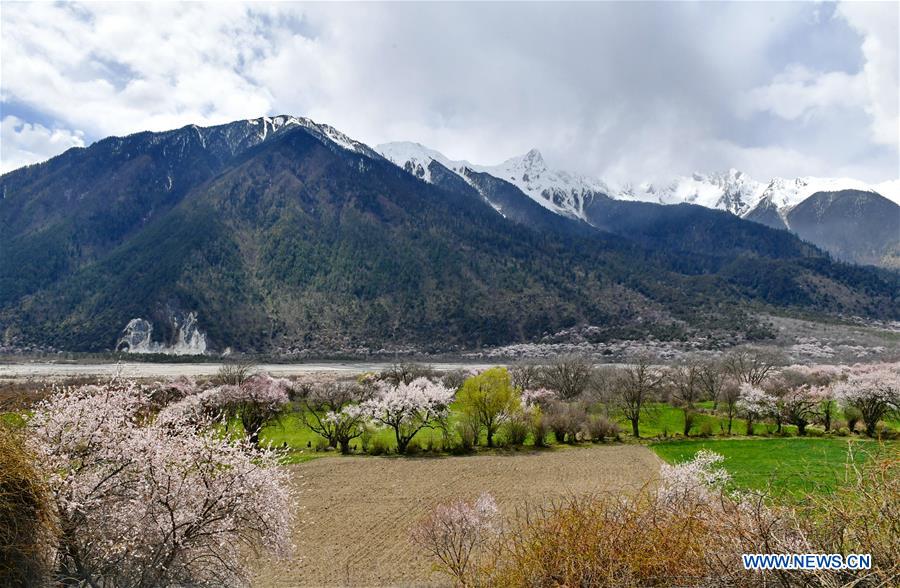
(733, 191)
(263, 128)
(739, 194)
(566, 193)
(560, 191)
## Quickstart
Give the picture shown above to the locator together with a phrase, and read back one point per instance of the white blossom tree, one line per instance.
(255, 402)
(754, 404)
(334, 411)
(409, 408)
(697, 479)
(146, 504)
(800, 405)
(874, 391)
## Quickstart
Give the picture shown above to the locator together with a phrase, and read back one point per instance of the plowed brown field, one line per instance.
(355, 513)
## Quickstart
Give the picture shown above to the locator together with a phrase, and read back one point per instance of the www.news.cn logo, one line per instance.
(806, 561)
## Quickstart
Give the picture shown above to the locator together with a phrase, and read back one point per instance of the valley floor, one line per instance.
(355, 513)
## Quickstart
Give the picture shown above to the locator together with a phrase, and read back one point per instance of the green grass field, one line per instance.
(787, 467)
(663, 420)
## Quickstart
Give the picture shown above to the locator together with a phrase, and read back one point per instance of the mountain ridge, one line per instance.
(733, 191)
(289, 236)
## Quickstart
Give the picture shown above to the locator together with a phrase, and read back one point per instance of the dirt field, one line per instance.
(355, 512)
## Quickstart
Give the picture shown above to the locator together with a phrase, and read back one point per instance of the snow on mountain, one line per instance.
(562, 192)
(566, 193)
(889, 189)
(557, 190)
(733, 191)
(415, 158)
(786, 193)
(275, 124)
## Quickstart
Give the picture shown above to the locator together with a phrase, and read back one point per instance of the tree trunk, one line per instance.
(345, 447)
(401, 443)
(729, 426)
(634, 428)
(749, 426)
(870, 427)
(490, 437)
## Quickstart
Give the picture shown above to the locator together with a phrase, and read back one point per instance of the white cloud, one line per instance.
(800, 93)
(22, 143)
(626, 90)
(880, 29)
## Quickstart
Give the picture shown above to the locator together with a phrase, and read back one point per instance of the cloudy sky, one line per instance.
(625, 91)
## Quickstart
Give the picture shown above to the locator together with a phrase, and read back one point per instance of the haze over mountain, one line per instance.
(280, 234)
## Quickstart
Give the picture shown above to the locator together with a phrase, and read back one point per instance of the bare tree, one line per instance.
(404, 373)
(333, 411)
(713, 376)
(750, 367)
(235, 373)
(636, 386)
(686, 390)
(524, 375)
(729, 394)
(569, 376)
(778, 385)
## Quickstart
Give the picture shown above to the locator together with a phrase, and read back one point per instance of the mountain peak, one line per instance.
(534, 157)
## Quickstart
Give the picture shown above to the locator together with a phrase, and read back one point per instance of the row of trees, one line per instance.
(536, 400)
(744, 384)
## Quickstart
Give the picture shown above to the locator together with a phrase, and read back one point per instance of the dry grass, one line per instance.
(27, 520)
(697, 538)
(356, 512)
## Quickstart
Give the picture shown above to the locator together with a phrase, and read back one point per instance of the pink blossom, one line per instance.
(144, 504)
(541, 397)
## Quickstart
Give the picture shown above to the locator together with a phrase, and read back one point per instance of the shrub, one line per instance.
(378, 447)
(517, 428)
(468, 435)
(853, 416)
(566, 420)
(539, 428)
(600, 428)
(234, 374)
(28, 521)
(689, 417)
(691, 531)
(706, 428)
(365, 438)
